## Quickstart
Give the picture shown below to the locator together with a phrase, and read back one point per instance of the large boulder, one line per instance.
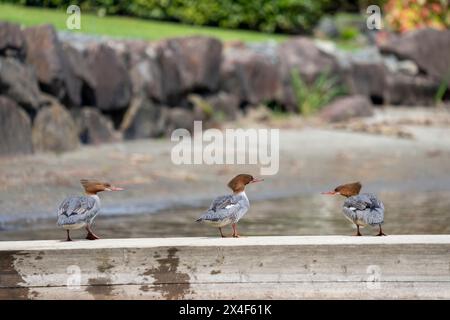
(12, 41)
(45, 54)
(249, 75)
(143, 119)
(146, 78)
(94, 127)
(83, 80)
(111, 88)
(367, 79)
(428, 48)
(198, 62)
(54, 130)
(301, 54)
(185, 65)
(403, 89)
(15, 129)
(19, 82)
(345, 108)
(170, 76)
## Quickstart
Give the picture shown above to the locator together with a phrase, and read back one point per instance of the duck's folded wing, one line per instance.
(229, 212)
(222, 202)
(76, 209)
(359, 202)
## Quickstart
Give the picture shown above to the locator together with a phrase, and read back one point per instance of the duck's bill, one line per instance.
(330, 192)
(114, 189)
(256, 180)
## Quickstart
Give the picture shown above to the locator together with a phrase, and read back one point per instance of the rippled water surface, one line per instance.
(411, 213)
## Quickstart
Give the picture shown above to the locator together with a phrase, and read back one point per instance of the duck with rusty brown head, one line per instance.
(229, 209)
(361, 209)
(76, 212)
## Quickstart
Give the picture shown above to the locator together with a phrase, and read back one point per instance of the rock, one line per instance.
(54, 130)
(179, 118)
(135, 51)
(45, 54)
(146, 79)
(300, 54)
(170, 76)
(15, 129)
(408, 67)
(198, 62)
(93, 127)
(217, 107)
(111, 88)
(173, 68)
(19, 82)
(84, 81)
(402, 89)
(225, 105)
(345, 108)
(428, 48)
(248, 75)
(143, 119)
(12, 41)
(367, 79)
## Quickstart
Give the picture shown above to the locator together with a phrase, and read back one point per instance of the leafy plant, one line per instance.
(405, 15)
(443, 87)
(311, 97)
(349, 33)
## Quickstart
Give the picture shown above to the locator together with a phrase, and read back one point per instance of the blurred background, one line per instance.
(359, 91)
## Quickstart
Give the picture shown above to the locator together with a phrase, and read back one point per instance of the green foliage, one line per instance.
(129, 27)
(288, 16)
(311, 97)
(443, 87)
(349, 33)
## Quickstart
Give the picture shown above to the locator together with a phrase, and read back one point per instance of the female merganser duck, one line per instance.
(361, 209)
(76, 212)
(231, 208)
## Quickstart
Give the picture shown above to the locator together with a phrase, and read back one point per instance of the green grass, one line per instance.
(125, 27)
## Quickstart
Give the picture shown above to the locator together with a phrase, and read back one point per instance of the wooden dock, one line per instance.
(311, 267)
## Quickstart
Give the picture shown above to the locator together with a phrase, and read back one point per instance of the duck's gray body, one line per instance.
(226, 210)
(78, 211)
(364, 209)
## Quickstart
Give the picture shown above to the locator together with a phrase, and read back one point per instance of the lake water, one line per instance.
(406, 213)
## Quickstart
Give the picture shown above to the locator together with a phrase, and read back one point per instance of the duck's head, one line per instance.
(92, 186)
(238, 183)
(346, 190)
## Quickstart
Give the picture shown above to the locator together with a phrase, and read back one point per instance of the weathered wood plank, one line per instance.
(303, 290)
(254, 267)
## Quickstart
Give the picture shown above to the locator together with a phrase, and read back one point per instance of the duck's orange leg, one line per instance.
(235, 234)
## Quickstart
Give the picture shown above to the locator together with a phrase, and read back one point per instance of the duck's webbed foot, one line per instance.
(90, 235)
(235, 233)
(381, 233)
